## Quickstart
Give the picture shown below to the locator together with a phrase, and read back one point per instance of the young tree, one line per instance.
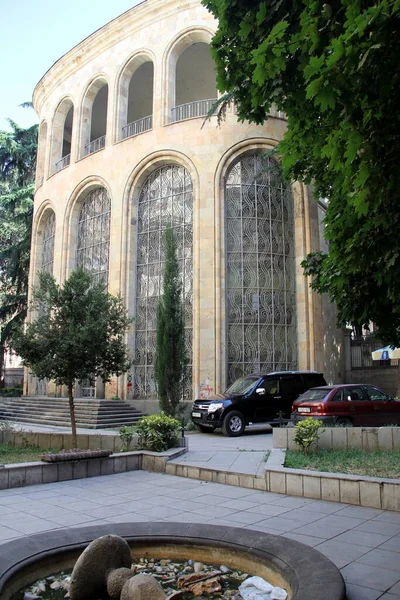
(332, 67)
(77, 331)
(170, 364)
(17, 168)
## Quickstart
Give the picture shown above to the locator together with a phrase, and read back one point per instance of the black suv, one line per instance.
(254, 399)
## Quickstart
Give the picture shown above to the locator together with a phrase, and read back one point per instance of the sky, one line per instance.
(34, 34)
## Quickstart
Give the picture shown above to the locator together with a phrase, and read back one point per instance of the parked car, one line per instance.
(348, 405)
(252, 399)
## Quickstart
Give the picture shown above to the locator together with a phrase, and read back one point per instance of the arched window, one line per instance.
(261, 300)
(94, 234)
(166, 198)
(48, 243)
(195, 82)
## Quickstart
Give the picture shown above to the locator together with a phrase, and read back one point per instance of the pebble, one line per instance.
(165, 571)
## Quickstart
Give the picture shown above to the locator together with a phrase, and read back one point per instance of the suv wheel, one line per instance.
(233, 424)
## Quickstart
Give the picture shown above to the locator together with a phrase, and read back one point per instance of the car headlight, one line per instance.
(215, 406)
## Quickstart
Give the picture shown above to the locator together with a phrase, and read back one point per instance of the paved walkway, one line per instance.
(244, 454)
(364, 543)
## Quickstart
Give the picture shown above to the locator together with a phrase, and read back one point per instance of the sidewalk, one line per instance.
(244, 454)
(364, 543)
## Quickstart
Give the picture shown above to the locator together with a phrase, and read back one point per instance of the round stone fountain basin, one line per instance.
(304, 572)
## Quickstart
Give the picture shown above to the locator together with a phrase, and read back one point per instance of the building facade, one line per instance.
(125, 151)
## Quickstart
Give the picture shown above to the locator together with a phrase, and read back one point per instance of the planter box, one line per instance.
(345, 438)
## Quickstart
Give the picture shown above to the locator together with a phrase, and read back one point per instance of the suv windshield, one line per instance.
(241, 386)
(315, 395)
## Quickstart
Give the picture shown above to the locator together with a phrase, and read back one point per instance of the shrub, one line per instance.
(307, 433)
(158, 432)
(126, 434)
(11, 392)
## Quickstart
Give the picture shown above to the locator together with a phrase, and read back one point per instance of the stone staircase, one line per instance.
(89, 412)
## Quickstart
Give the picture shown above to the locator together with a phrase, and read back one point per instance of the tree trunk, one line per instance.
(72, 413)
(398, 379)
(2, 365)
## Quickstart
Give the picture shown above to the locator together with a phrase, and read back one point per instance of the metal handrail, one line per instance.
(95, 145)
(191, 110)
(137, 127)
(64, 162)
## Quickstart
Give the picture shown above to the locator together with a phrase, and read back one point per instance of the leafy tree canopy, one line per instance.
(17, 167)
(332, 67)
(77, 331)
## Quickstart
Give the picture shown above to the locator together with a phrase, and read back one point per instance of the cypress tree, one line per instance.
(170, 363)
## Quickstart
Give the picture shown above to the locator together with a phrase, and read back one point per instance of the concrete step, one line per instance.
(93, 413)
(107, 425)
(54, 411)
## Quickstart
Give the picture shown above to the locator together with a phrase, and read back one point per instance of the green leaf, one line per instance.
(314, 87)
(314, 66)
(326, 98)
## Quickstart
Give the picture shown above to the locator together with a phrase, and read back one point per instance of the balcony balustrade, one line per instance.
(191, 110)
(95, 145)
(64, 162)
(137, 127)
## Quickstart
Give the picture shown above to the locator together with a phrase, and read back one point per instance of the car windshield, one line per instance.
(241, 386)
(314, 395)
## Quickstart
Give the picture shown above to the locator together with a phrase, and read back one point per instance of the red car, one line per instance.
(348, 405)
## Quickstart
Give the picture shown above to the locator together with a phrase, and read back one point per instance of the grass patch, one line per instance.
(352, 462)
(19, 454)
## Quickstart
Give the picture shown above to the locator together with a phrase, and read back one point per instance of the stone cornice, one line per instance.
(138, 17)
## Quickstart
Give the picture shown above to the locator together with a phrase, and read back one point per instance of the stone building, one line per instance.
(124, 150)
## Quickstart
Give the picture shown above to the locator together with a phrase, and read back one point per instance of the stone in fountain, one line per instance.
(103, 570)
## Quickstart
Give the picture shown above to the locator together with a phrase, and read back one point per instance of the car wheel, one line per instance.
(233, 424)
(206, 429)
(344, 422)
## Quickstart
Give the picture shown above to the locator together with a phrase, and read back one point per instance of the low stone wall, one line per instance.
(336, 487)
(345, 438)
(34, 473)
(60, 441)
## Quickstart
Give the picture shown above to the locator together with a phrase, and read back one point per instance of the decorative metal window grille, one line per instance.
(166, 198)
(48, 244)
(94, 234)
(261, 299)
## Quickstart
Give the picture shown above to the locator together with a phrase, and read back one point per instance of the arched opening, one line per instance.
(260, 268)
(45, 259)
(49, 234)
(92, 255)
(41, 155)
(166, 198)
(94, 234)
(136, 97)
(195, 82)
(62, 136)
(94, 118)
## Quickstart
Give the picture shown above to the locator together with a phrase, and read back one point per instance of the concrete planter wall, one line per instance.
(345, 438)
(372, 492)
(34, 473)
(59, 441)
